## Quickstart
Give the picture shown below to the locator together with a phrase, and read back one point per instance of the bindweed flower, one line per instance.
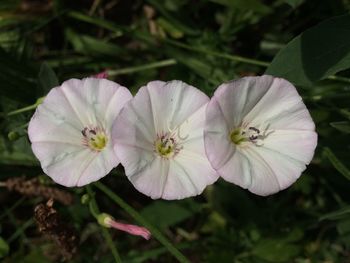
(70, 131)
(259, 134)
(158, 138)
(108, 221)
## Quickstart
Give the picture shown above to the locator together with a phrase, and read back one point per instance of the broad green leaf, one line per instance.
(343, 126)
(336, 163)
(275, 250)
(317, 53)
(47, 78)
(4, 248)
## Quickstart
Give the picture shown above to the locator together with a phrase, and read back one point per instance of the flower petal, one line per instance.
(55, 129)
(242, 95)
(280, 106)
(271, 171)
(219, 148)
(288, 141)
(157, 108)
(174, 99)
(131, 229)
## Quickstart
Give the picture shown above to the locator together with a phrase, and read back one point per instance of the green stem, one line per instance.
(111, 245)
(158, 64)
(218, 54)
(133, 213)
(20, 230)
(28, 108)
(338, 78)
(95, 211)
(13, 207)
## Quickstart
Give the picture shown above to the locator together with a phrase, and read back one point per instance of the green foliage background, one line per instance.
(204, 43)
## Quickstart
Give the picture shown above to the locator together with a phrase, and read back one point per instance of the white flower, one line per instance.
(70, 131)
(158, 138)
(259, 134)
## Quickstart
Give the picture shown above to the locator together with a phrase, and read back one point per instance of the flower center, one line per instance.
(95, 138)
(166, 145)
(250, 134)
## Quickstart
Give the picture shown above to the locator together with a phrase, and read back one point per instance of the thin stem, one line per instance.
(27, 108)
(20, 230)
(111, 245)
(13, 207)
(338, 78)
(138, 218)
(159, 64)
(94, 6)
(218, 54)
(95, 211)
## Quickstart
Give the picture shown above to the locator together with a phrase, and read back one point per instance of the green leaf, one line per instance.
(341, 168)
(92, 46)
(47, 78)
(343, 126)
(4, 248)
(275, 250)
(317, 53)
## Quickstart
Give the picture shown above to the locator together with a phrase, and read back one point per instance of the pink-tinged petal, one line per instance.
(218, 146)
(174, 99)
(271, 171)
(283, 139)
(56, 130)
(237, 170)
(71, 166)
(131, 229)
(189, 174)
(152, 178)
(92, 98)
(101, 75)
(297, 144)
(237, 98)
(136, 119)
(45, 125)
(279, 105)
(160, 108)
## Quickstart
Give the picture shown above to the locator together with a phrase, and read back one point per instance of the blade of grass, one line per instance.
(341, 168)
(158, 64)
(141, 220)
(20, 230)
